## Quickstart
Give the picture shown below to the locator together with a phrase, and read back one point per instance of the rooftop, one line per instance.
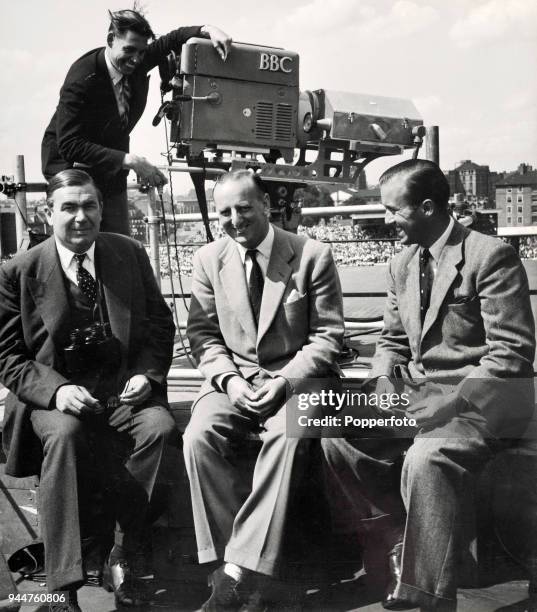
(519, 179)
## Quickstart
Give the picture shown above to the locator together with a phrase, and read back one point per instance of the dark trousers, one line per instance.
(77, 458)
(116, 214)
(437, 491)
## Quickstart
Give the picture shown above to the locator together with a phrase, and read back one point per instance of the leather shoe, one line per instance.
(228, 594)
(390, 601)
(129, 591)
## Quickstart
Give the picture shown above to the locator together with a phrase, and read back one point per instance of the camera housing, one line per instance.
(92, 348)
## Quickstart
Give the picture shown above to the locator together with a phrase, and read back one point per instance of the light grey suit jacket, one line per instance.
(301, 320)
(479, 326)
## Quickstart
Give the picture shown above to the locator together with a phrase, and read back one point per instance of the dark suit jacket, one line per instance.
(86, 126)
(35, 326)
(479, 328)
(301, 320)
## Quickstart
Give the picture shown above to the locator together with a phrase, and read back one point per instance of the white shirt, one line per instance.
(69, 263)
(436, 249)
(264, 249)
(115, 77)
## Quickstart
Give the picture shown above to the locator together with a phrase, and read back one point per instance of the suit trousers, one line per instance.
(437, 489)
(240, 521)
(78, 459)
(116, 213)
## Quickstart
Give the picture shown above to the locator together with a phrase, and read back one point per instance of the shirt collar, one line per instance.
(115, 74)
(437, 248)
(264, 247)
(66, 256)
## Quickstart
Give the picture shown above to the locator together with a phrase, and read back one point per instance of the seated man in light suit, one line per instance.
(266, 314)
(62, 405)
(459, 331)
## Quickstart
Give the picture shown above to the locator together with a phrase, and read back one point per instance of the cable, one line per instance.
(168, 156)
(166, 237)
(172, 201)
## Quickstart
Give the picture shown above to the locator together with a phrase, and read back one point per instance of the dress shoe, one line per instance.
(255, 603)
(390, 601)
(129, 591)
(228, 594)
(70, 605)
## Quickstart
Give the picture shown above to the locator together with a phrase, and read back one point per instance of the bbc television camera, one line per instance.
(248, 112)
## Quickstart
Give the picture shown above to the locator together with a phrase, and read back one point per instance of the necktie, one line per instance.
(426, 282)
(125, 96)
(85, 280)
(256, 283)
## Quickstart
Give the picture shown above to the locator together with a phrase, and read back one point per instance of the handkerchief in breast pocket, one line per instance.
(293, 296)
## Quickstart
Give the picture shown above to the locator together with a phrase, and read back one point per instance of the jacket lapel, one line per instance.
(278, 273)
(49, 293)
(116, 279)
(107, 87)
(234, 283)
(445, 275)
(411, 300)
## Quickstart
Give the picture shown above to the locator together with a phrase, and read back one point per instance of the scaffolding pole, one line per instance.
(432, 145)
(21, 214)
(153, 229)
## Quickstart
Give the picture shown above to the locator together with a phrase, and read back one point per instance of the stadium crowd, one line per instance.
(345, 253)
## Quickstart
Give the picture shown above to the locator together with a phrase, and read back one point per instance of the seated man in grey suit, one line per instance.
(266, 314)
(459, 331)
(72, 402)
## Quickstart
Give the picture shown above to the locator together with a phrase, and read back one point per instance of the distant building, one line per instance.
(473, 184)
(516, 198)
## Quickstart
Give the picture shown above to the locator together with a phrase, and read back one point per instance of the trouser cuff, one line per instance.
(424, 599)
(72, 578)
(251, 562)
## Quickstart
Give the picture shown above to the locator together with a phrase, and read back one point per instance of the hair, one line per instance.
(70, 178)
(423, 180)
(239, 175)
(127, 20)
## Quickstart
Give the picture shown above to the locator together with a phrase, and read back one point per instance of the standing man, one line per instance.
(265, 318)
(64, 400)
(102, 99)
(459, 339)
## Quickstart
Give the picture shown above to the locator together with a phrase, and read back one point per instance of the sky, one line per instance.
(468, 65)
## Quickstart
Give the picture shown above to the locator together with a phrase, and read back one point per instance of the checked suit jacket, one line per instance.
(35, 326)
(478, 331)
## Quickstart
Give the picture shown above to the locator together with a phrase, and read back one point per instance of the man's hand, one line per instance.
(136, 391)
(269, 397)
(76, 400)
(144, 169)
(384, 385)
(221, 41)
(436, 409)
(240, 393)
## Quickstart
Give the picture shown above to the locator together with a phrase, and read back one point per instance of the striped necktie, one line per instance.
(125, 96)
(85, 280)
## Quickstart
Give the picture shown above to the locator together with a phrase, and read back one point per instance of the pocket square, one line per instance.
(293, 296)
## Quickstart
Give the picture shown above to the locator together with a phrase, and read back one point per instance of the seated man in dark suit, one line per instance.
(459, 339)
(265, 318)
(66, 400)
(102, 99)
